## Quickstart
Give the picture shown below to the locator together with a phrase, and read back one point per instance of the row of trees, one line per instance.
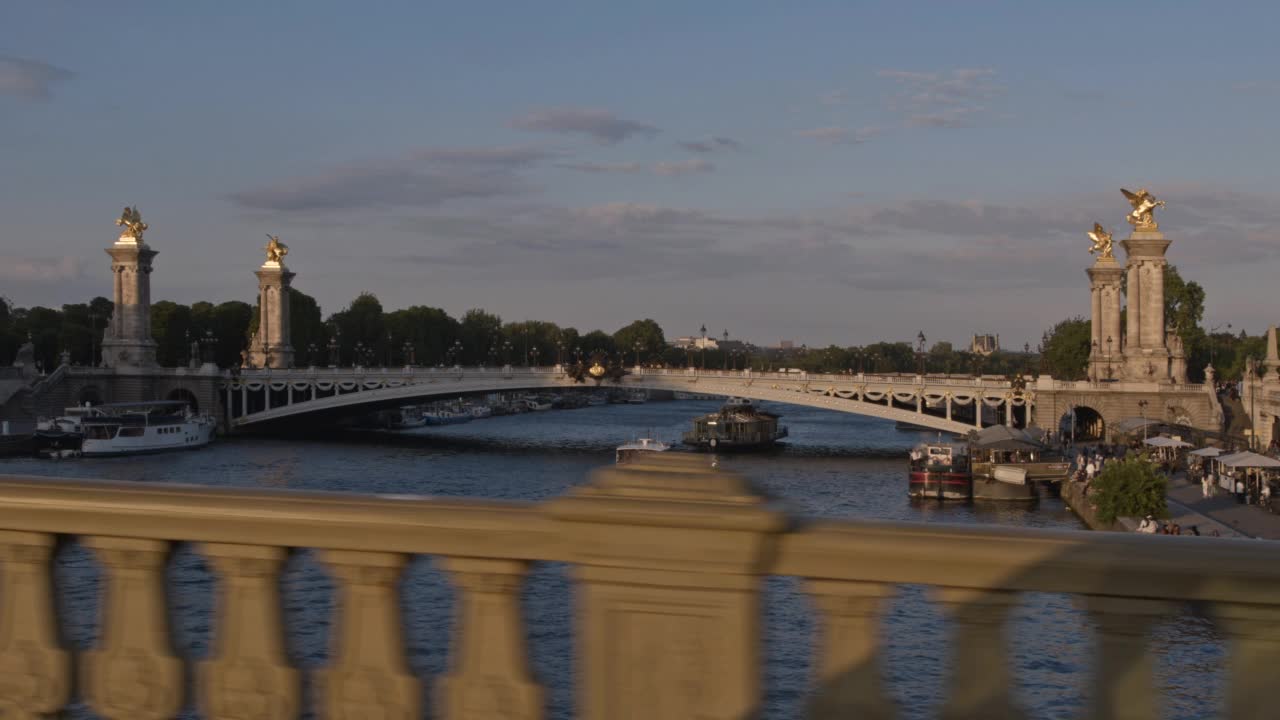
(365, 333)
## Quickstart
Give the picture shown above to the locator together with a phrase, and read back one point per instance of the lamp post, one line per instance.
(209, 355)
(408, 353)
(457, 353)
(313, 351)
(535, 355)
(333, 351)
(1142, 407)
(359, 358)
(920, 343)
(637, 347)
(577, 354)
(560, 352)
(506, 353)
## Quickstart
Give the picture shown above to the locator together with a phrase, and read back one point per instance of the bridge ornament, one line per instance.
(131, 221)
(1101, 242)
(1144, 204)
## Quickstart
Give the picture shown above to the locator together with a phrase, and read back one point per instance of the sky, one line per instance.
(822, 172)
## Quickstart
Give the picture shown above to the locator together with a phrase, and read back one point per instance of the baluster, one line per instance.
(1123, 688)
(249, 677)
(133, 674)
(851, 678)
(490, 675)
(368, 679)
(979, 682)
(1255, 657)
(35, 672)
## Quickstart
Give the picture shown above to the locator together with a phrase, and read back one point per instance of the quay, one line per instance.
(662, 632)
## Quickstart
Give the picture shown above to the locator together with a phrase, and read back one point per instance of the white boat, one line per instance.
(480, 411)
(145, 427)
(407, 418)
(596, 399)
(628, 452)
(638, 397)
(446, 417)
(536, 404)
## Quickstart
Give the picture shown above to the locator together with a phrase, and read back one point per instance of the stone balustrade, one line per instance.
(667, 557)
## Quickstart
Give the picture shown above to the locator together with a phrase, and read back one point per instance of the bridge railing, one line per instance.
(668, 558)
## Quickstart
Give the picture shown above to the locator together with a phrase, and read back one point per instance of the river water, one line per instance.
(834, 465)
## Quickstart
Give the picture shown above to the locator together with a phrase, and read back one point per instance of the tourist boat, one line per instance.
(480, 411)
(144, 427)
(597, 399)
(738, 425)
(630, 451)
(940, 470)
(638, 397)
(536, 404)
(1011, 464)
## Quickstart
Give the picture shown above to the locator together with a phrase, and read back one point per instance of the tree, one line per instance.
(647, 333)
(360, 325)
(306, 325)
(597, 341)
(1129, 488)
(481, 336)
(229, 322)
(171, 328)
(1066, 349)
(430, 330)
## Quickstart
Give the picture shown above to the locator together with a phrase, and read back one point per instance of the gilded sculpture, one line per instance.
(276, 250)
(1144, 205)
(131, 221)
(1101, 241)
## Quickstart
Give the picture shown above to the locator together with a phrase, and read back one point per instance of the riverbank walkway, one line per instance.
(1185, 499)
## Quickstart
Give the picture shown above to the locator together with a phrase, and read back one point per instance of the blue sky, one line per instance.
(823, 172)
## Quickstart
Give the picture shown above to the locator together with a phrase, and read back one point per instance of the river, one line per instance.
(834, 465)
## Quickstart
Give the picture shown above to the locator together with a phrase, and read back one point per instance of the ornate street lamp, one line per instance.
(506, 352)
(457, 352)
(637, 347)
(313, 351)
(535, 355)
(559, 352)
(209, 350)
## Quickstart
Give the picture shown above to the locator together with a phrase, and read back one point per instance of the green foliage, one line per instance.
(481, 336)
(1129, 488)
(597, 341)
(1066, 349)
(645, 333)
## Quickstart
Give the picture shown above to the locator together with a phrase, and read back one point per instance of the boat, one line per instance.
(61, 437)
(630, 451)
(597, 399)
(406, 418)
(638, 397)
(940, 470)
(444, 416)
(536, 404)
(144, 427)
(1012, 464)
(480, 411)
(737, 425)
(17, 444)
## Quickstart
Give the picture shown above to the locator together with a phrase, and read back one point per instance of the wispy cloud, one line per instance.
(30, 79)
(712, 145)
(598, 124)
(942, 100)
(833, 98)
(667, 168)
(421, 178)
(39, 269)
(840, 135)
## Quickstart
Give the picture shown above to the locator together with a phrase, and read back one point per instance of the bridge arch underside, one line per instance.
(273, 404)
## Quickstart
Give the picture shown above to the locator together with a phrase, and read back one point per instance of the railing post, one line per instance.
(368, 676)
(980, 682)
(1123, 686)
(132, 674)
(1254, 631)
(35, 672)
(669, 557)
(851, 680)
(489, 677)
(249, 677)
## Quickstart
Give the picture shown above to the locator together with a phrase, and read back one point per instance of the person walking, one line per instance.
(1204, 485)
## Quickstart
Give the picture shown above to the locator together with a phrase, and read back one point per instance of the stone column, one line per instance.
(272, 347)
(1146, 357)
(665, 632)
(1104, 284)
(128, 343)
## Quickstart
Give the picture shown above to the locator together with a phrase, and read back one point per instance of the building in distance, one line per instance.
(985, 344)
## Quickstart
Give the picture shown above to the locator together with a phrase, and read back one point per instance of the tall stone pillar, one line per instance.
(1104, 285)
(1146, 355)
(126, 342)
(271, 346)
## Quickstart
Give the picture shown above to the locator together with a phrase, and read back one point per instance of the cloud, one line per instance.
(422, 178)
(833, 98)
(712, 145)
(1257, 87)
(669, 168)
(840, 135)
(40, 269)
(942, 100)
(596, 123)
(30, 79)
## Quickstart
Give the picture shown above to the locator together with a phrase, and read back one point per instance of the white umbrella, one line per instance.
(1206, 452)
(1161, 441)
(1248, 459)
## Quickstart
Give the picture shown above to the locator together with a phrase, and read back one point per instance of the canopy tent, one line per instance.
(1248, 459)
(1001, 437)
(1206, 452)
(1166, 442)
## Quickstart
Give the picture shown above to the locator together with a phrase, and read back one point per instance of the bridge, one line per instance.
(950, 403)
